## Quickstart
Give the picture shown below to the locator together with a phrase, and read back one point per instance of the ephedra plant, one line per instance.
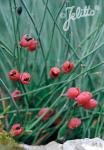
(51, 80)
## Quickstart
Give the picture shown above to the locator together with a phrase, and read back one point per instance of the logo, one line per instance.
(73, 13)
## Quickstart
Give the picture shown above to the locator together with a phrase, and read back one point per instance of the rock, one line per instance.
(28, 147)
(84, 144)
(80, 144)
(50, 146)
(53, 146)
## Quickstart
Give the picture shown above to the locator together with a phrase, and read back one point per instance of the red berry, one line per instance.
(25, 37)
(32, 45)
(25, 78)
(24, 42)
(15, 94)
(16, 129)
(73, 92)
(14, 75)
(29, 42)
(54, 72)
(67, 67)
(47, 115)
(58, 121)
(74, 123)
(91, 104)
(83, 98)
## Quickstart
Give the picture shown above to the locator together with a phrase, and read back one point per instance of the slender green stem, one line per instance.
(12, 100)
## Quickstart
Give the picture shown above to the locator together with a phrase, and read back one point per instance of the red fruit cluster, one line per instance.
(91, 104)
(54, 72)
(25, 78)
(58, 121)
(30, 43)
(67, 67)
(83, 98)
(48, 114)
(74, 123)
(16, 76)
(16, 129)
(16, 94)
(72, 93)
